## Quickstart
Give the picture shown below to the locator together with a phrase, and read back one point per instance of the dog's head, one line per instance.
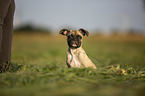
(74, 37)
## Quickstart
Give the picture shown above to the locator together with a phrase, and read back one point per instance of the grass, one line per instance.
(38, 67)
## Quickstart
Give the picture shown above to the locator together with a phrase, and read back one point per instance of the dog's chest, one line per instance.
(73, 58)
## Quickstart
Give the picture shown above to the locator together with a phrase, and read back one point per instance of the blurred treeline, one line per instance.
(31, 29)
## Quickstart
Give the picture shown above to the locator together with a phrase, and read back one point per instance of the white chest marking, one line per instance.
(74, 61)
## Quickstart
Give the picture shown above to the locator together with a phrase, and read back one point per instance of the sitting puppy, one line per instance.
(76, 56)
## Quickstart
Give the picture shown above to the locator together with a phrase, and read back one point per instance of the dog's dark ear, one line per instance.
(64, 31)
(84, 32)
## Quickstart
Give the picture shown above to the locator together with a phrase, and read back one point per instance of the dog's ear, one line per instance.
(84, 32)
(64, 31)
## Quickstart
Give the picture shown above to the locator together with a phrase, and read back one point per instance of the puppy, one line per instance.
(76, 56)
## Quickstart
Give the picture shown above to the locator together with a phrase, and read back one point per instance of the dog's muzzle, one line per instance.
(74, 43)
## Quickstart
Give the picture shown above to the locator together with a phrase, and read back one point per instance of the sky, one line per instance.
(88, 14)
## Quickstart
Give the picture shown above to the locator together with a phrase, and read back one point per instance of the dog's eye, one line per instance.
(69, 36)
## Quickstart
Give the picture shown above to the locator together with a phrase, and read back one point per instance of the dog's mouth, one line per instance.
(74, 44)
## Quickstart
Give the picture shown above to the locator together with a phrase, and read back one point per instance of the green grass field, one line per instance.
(38, 67)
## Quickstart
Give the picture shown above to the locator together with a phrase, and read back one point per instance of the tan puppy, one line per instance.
(76, 56)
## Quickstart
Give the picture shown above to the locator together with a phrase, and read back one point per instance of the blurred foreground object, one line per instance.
(7, 8)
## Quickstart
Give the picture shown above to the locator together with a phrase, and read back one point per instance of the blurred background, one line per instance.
(117, 39)
(96, 16)
(115, 27)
